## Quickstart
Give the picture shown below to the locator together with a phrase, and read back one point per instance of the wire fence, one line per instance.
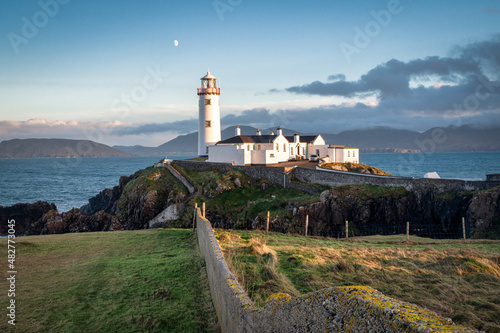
(455, 231)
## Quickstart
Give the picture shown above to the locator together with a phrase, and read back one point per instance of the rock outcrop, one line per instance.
(374, 210)
(129, 206)
(154, 192)
(484, 214)
(26, 216)
(107, 199)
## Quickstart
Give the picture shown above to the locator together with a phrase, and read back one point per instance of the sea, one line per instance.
(70, 182)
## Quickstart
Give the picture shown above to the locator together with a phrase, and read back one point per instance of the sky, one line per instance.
(111, 71)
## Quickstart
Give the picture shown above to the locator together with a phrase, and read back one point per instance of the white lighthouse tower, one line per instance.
(209, 114)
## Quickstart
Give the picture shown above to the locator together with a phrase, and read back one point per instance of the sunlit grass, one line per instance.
(457, 280)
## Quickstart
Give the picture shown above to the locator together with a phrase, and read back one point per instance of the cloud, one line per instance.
(109, 132)
(463, 88)
(469, 76)
(257, 117)
(336, 77)
(180, 126)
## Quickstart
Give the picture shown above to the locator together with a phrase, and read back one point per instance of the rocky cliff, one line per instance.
(236, 200)
(381, 210)
(130, 205)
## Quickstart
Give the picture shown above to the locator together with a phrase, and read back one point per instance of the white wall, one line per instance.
(226, 154)
(282, 154)
(351, 155)
(323, 150)
(208, 136)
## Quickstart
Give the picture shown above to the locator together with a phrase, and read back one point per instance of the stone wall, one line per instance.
(275, 175)
(332, 178)
(184, 180)
(336, 309)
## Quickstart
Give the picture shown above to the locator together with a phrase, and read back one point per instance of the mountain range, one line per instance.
(378, 139)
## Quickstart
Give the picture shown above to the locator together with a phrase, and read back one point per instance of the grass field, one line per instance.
(130, 281)
(459, 281)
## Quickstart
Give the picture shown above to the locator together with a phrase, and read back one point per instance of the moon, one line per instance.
(176, 42)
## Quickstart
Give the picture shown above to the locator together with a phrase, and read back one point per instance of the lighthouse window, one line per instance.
(208, 123)
(208, 101)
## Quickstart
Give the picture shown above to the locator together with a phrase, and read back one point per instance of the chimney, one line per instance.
(296, 138)
(259, 132)
(280, 131)
(238, 131)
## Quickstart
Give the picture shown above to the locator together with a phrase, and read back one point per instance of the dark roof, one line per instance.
(250, 139)
(302, 138)
(265, 139)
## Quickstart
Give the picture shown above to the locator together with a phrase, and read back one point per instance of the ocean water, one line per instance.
(71, 182)
(465, 166)
(67, 182)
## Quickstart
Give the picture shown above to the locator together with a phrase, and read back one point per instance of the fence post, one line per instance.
(194, 215)
(267, 224)
(407, 231)
(463, 227)
(346, 229)
(307, 223)
(203, 209)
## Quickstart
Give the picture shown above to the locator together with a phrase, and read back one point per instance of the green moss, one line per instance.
(366, 192)
(445, 196)
(243, 203)
(150, 181)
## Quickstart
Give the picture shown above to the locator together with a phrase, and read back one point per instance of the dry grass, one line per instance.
(460, 281)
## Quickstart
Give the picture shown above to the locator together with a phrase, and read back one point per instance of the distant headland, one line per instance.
(62, 148)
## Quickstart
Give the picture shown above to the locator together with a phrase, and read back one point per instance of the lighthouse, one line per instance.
(209, 114)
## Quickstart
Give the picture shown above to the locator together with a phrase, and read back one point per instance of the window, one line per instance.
(208, 101)
(291, 150)
(277, 147)
(317, 152)
(353, 153)
(208, 123)
(271, 155)
(248, 147)
(284, 147)
(348, 153)
(258, 147)
(207, 150)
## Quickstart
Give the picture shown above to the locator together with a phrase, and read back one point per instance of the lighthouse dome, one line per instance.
(208, 76)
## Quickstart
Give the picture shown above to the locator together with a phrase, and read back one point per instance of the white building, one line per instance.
(209, 114)
(275, 148)
(256, 149)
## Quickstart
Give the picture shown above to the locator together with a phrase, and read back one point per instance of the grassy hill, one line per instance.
(131, 281)
(30, 148)
(456, 280)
